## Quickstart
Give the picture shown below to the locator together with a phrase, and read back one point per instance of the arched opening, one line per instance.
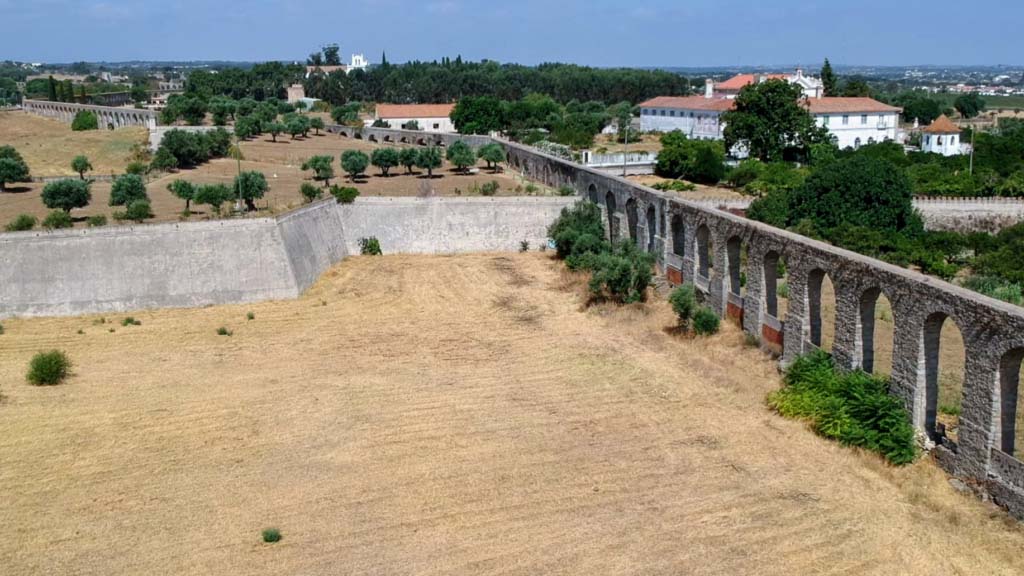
(704, 252)
(421, 141)
(775, 303)
(943, 359)
(403, 140)
(678, 236)
(875, 332)
(1007, 425)
(652, 229)
(613, 228)
(632, 218)
(821, 310)
(592, 194)
(372, 138)
(387, 138)
(359, 135)
(734, 249)
(110, 125)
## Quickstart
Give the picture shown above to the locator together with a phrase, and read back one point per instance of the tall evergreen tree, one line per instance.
(51, 89)
(828, 79)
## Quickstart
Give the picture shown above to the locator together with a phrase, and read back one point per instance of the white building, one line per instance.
(357, 62)
(811, 86)
(853, 122)
(941, 137)
(429, 117)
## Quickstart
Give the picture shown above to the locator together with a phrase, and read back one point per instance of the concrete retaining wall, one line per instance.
(450, 225)
(314, 239)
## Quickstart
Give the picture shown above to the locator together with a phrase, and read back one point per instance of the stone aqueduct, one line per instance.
(108, 117)
(695, 243)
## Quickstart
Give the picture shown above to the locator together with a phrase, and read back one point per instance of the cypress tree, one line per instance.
(828, 79)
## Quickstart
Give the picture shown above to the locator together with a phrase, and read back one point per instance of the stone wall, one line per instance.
(450, 225)
(970, 214)
(108, 116)
(695, 243)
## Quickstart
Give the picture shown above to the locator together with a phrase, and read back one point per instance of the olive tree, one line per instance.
(385, 159)
(127, 189)
(67, 194)
(81, 165)
(322, 168)
(250, 186)
(354, 163)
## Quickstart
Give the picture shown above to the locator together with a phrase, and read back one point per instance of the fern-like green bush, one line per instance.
(705, 321)
(683, 300)
(48, 368)
(853, 408)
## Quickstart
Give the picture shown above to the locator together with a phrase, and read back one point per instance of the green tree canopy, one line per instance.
(969, 105)
(828, 79)
(461, 155)
(250, 186)
(354, 163)
(769, 121)
(84, 120)
(81, 165)
(493, 154)
(316, 123)
(322, 167)
(385, 159)
(185, 190)
(67, 194)
(429, 159)
(478, 115)
(12, 167)
(127, 189)
(407, 157)
(213, 195)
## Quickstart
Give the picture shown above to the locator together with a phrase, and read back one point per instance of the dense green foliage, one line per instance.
(461, 155)
(578, 230)
(185, 190)
(354, 163)
(310, 192)
(12, 167)
(21, 223)
(84, 120)
(701, 161)
(213, 195)
(493, 154)
(429, 159)
(854, 408)
(57, 219)
(322, 167)
(705, 321)
(81, 165)
(385, 159)
(66, 194)
(250, 186)
(369, 246)
(684, 301)
(344, 195)
(194, 148)
(770, 122)
(136, 210)
(127, 189)
(48, 368)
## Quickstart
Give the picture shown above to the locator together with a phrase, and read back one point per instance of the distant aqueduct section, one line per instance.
(108, 117)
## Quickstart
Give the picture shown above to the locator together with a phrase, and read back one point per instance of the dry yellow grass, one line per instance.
(49, 145)
(445, 415)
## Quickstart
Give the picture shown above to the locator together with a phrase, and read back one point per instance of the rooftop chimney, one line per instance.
(709, 88)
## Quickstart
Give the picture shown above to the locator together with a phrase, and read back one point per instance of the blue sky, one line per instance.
(595, 32)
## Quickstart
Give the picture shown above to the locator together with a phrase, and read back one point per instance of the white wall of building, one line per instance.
(945, 144)
(697, 124)
(856, 129)
(442, 125)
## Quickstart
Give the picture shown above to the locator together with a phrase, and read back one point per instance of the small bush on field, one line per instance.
(344, 195)
(683, 300)
(85, 120)
(705, 321)
(949, 410)
(369, 246)
(222, 331)
(621, 275)
(129, 321)
(675, 186)
(137, 211)
(524, 246)
(854, 408)
(566, 190)
(21, 223)
(310, 192)
(137, 168)
(271, 535)
(1, 328)
(48, 368)
(57, 219)
(250, 316)
(489, 188)
(97, 221)
(580, 219)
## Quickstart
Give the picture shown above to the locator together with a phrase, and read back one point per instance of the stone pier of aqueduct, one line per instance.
(108, 117)
(692, 243)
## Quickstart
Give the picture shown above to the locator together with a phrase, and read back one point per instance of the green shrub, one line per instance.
(130, 321)
(136, 168)
(566, 190)
(674, 186)
(57, 219)
(250, 316)
(684, 300)
(369, 246)
(21, 223)
(489, 188)
(344, 195)
(84, 120)
(705, 321)
(138, 211)
(995, 287)
(582, 218)
(524, 246)
(744, 173)
(1, 328)
(621, 275)
(223, 331)
(854, 408)
(783, 290)
(48, 368)
(271, 535)
(97, 221)
(310, 192)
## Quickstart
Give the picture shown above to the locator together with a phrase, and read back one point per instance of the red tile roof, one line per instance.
(843, 105)
(325, 69)
(386, 111)
(740, 80)
(942, 125)
(689, 103)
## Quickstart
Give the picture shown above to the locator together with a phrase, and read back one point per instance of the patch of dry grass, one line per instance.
(416, 424)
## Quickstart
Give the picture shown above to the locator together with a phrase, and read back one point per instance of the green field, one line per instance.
(991, 102)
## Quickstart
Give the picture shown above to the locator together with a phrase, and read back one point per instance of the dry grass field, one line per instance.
(48, 145)
(446, 415)
(701, 192)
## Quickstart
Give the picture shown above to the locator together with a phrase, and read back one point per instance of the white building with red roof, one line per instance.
(942, 136)
(429, 117)
(853, 122)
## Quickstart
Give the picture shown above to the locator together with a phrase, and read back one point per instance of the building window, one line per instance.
(881, 120)
(856, 143)
(824, 120)
(437, 126)
(927, 140)
(863, 119)
(672, 113)
(938, 140)
(846, 119)
(871, 140)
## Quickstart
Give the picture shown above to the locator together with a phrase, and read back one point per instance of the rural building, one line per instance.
(852, 121)
(429, 117)
(941, 137)
(812, 87)
(358, 62)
